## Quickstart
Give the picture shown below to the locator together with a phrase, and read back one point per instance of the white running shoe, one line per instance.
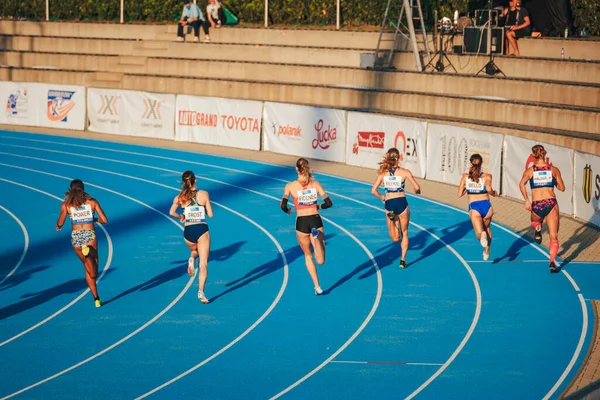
(206, 39)
(486, 256)
(191, 268)
(318, 291)
(202, 297)
(484, 239)
(195, 39)
(179, 39)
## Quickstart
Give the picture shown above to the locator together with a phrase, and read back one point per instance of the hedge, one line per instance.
(281, 12)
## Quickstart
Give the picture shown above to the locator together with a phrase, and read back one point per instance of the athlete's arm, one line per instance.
(560, 184)
(326, 200)
(413, 182)
(207, 205)
(488, 185)
(375, 188)
(526, 176)
(101, 216)
(173, 211)
(62, 217)
(284, 200)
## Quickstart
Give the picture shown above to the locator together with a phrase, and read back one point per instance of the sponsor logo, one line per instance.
(286, 130)
(324, 136)
(588, 182)
(109, 105)
(227, 122)
(16, 104)
(407, 147)
(60, 103)
(152, 109)
(369, 140)
(456, 153)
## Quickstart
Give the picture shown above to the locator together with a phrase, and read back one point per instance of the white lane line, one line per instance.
(378, 272)
(577, 351)
(85, 292)
(473, 278)
(386, 363)
(261, 318)
(25, 246)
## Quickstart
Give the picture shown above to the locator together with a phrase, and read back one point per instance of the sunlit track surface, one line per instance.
(449, 326)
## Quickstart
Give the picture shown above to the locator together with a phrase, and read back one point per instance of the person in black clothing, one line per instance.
(517, 25)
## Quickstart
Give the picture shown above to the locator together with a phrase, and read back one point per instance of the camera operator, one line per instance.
(517, 25)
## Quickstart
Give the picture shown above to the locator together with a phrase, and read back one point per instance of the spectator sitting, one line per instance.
(192, 16)
(215, 13)
(518, 25)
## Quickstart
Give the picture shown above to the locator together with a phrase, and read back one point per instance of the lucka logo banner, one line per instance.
(60, 103)
(587, 187)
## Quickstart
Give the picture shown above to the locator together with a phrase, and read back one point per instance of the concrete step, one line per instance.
(578, 122)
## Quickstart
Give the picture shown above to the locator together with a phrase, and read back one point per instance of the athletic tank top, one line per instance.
(476, 187)
(82, 215)
(194, 213)
(306, 198)
(542, 177)
(392, 183)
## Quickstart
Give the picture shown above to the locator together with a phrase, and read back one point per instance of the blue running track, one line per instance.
(449, 327)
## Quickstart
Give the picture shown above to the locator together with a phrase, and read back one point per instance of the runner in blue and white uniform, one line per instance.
(196, 207)
(393, 179)
(81, 208)
(478, 187)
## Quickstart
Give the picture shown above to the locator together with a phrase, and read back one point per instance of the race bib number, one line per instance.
(393, 183)
(82, 215)
(307, 197)
(542, 178)
(475, 186)
(194, 214)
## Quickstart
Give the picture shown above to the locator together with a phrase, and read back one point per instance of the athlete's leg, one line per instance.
(304, 242)
(487, 224)
(203, 253)
(553, 222)
(89, 263)
(193, 254)
(536, 224)
(404, 220)
(318, 244)
(393, 230)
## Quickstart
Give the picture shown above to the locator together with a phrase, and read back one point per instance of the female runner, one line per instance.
(478, 187)
(393, 178)
(309, 227)
(81, 208)
(542, 178)
(196, 206)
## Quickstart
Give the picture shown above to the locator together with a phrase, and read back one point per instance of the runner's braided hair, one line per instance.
(390, 160)
(76, 196)
(475, 170)
(304, 170)
(539, 152)
(188, 179)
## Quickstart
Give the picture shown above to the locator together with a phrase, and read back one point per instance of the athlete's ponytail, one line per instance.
(304, 170)
(475, 170)
(539, 152)
(188, 179)
(390, 160)
(76, 196)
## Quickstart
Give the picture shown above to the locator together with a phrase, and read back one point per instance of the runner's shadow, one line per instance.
(221, 254)
(514, 251)
(35, 299)
(581, 239)
(448, 235)
(21, 277)
(162, 278)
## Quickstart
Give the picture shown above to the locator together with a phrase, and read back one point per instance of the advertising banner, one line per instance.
(106, 110)
(371, 135)
(450, 147)
(223, 122)
(518, 157)
(62, 107)
(312, 132)
(21, 103)
(586, 191)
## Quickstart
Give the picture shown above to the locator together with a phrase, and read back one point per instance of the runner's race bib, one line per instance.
(194, 214)
(476, 187)
(307, 197)
(543, 178)
(393, 183)
(82, 215)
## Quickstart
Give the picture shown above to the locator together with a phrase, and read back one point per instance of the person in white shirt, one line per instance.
(216, 14)
(192, 16)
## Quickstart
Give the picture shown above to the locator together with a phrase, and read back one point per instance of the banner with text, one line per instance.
(450, 147)
(371, 135)
(518, 157)
(223, 122)
(62, 107)
(126, 112)
(586, 191)
(21, 102)
(312, 132)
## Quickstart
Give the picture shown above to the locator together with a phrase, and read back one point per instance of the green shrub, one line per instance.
(586, 14)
